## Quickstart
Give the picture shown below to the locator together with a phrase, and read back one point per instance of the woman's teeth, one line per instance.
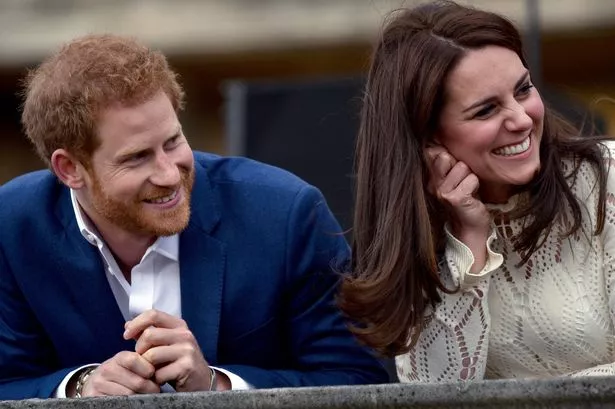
(514, 149)
(165, 199)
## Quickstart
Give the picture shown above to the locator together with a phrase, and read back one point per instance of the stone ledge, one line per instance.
(594, 392)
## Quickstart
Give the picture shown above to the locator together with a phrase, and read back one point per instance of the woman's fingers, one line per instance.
(456, 174)
(440, 163)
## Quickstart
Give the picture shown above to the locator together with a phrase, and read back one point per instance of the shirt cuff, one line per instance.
(237, 383)
(462, 257)
(60, 391)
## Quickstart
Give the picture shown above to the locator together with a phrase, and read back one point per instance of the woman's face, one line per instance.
(492, 120)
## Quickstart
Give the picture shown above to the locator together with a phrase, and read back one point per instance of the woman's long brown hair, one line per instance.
(398, 227)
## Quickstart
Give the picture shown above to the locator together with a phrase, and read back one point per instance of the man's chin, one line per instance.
(170, 231)
(167, 225)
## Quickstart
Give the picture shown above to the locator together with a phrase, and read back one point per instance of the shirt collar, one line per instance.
(167, 246)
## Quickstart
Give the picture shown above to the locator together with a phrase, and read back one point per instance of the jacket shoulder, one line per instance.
(28, 193)
(248, 173)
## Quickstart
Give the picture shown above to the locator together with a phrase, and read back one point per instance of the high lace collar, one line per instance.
(507, 207)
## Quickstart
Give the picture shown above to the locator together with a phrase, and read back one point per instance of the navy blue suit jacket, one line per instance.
(257, 272)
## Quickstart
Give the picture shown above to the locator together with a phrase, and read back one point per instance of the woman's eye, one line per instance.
(484, 112)
(525, 88)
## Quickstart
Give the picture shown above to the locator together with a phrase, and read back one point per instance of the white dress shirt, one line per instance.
(154, 283)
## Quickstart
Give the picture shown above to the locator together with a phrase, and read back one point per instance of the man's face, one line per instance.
(141, 176)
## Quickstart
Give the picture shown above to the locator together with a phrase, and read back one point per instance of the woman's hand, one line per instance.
(454, 185)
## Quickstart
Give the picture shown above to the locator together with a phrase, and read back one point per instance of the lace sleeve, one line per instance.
(608, 239)
(607, 369)
(453, 344)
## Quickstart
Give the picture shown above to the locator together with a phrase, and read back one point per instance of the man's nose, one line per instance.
(166, 172)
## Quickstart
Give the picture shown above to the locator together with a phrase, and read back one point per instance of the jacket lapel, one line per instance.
(202, 266)
(202, 263)
(86, 284)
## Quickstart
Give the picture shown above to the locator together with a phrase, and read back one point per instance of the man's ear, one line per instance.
(68, 169)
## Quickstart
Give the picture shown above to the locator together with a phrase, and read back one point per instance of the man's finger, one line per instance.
(185, 376)
(151, 318)
(136, 364)
(176, 372)
(128, 384)
(107, 389)
(117, 376)
(168, 353)
(153, 337)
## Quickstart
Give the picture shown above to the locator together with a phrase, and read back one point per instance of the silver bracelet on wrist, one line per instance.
(83, 377)
(212, 379)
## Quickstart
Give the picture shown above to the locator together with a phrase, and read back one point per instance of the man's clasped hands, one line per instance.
(165, 352)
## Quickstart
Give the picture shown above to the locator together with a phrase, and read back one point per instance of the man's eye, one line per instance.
(137, 157)
(172, 142)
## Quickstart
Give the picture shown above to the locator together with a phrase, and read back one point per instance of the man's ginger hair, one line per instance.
(64, 96)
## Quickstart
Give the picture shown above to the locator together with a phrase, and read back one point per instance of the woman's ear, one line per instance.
(434, 142)
(68, 169)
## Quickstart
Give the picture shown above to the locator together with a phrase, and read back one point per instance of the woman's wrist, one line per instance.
(476, 241)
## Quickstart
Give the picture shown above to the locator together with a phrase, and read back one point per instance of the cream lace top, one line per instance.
(553, 316)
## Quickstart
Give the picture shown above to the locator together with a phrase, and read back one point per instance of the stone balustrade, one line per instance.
(595, 392)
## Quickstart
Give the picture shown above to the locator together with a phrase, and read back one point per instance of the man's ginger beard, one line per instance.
(136, 218)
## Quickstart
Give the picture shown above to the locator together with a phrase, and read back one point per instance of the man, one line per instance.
(149, 262)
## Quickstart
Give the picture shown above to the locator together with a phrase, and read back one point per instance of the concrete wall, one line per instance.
(555, 393)
(30, 29)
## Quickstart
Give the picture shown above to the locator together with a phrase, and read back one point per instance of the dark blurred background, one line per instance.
(280, 80)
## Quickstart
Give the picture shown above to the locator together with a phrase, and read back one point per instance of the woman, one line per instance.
(484, 224)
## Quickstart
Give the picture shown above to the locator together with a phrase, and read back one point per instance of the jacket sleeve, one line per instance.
(26, 355)
(323, 349)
